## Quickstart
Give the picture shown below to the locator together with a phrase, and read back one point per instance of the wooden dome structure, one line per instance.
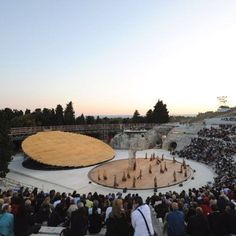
(64, 149)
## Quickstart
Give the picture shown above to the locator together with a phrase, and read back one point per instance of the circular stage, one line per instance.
(115, 174)
(64, 149)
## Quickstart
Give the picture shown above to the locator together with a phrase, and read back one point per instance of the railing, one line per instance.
(25, 131)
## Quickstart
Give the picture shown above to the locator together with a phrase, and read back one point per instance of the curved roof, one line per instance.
(66, 149)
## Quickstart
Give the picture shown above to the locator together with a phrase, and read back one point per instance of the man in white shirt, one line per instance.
(137, 220)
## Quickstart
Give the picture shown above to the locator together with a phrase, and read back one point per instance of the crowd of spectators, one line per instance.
(214, 148)
(221, 132)
(209, 210)
(206, 211)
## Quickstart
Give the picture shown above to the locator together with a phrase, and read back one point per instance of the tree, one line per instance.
(46, 117)
(160, 113)
(80, 120)
(27, 111)
(136, 117)
(23, 121)
(59, 118)
(90, 120)
(69, 114)
(37, 114)
(98, 120)
(148, 117)
(5, 146)
(53, 117)
(8, 114)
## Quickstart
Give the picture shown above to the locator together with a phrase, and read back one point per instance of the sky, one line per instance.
(110, 57)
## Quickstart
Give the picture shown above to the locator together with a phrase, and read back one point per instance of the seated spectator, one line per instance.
(79, 221)
(117, 222)
(95, 218)
(175, 221)
(197, 224)
(217, 222)
(45, 211)
(6, 220)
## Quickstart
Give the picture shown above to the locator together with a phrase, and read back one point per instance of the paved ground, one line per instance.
(77, 179)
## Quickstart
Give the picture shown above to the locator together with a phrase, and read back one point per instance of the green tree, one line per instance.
(23, 121)
(59, 118)
(136, 117)
(90, 120)
(37, 114)
(46, 117)
(80, 120)
(5, 146)
(27, 111)
(148, 117)
(69, 114)
(98, 120)
(160, 113)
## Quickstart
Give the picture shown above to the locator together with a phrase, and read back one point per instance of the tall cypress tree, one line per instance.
(148, 117)
(69, 114)
(59, 118)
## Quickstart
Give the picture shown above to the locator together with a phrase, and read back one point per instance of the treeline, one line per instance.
(66, 116)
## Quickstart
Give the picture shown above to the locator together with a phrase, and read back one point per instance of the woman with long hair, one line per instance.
(117, 222)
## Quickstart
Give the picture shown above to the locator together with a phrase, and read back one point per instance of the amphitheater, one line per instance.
(85, 180)
(78, 179)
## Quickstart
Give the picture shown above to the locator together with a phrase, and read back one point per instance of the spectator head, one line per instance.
(117, 208)
(199, 211)
(214, 207)
(138, 201)
(95, 203)
(6, 207)
(27, 202)
(80, 205)
(174, 206)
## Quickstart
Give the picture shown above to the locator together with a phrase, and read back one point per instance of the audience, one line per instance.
(209, 210)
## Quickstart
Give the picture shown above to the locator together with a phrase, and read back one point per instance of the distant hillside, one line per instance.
(211, 114)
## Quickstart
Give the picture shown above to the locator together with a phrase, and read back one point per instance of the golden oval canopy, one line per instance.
(66, 149)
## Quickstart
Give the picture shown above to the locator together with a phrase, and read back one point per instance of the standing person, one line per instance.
(117, 222)
(175, 221)
(197, 224)
(6, 220)
(141, 218)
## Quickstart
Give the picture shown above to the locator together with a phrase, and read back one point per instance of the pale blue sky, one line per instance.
(115, 56)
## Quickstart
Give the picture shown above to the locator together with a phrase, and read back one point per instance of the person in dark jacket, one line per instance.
(95, 218)
(197, 224)
(175, 221)
(117, 222)
(230, 213)
(217, 222)
(79, 221)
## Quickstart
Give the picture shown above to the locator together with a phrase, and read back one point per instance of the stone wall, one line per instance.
(141, 141)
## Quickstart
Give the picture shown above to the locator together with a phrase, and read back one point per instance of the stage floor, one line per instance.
(77, 179)
(119, 169)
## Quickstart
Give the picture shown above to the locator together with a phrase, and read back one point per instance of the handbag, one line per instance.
(155, 234)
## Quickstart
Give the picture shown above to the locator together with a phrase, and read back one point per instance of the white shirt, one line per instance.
(138, 223)
(108, 211)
